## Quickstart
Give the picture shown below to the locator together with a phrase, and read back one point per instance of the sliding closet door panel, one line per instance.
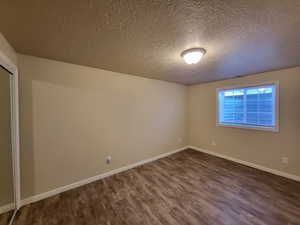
(6, 168)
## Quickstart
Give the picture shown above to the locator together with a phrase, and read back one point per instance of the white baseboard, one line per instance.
(253, 165)
(7, 208)
(95, 178)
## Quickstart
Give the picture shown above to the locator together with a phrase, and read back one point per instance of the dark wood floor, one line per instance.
(187, 188)
(5, 218)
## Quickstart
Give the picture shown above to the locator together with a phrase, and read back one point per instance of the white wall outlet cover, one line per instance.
(285, 160)
(213, 143)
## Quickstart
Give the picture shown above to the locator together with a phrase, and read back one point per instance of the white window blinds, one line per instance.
(249, 106)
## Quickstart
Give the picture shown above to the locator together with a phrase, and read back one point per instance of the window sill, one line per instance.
(250, 127)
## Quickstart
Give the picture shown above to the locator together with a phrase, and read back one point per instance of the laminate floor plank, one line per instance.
(5, 217)
(187, 188)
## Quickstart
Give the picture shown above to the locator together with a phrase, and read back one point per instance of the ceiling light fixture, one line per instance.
(193, 55)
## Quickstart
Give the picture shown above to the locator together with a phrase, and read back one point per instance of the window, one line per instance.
(249, 107)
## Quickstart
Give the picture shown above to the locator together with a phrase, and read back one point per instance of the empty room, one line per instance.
(150, 112)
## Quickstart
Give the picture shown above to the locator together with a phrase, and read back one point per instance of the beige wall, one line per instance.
(72, 117)
(8, 55)
(6, 169)
(260, 147)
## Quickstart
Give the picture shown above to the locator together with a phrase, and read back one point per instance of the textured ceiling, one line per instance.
(146, 37)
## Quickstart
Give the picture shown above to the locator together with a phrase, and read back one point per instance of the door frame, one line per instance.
(15, 132)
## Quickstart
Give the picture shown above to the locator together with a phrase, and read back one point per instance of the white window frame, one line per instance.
(244, 126)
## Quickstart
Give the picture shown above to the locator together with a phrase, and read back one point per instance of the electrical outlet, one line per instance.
(213, 143)
(108, 159)
(285, 160)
